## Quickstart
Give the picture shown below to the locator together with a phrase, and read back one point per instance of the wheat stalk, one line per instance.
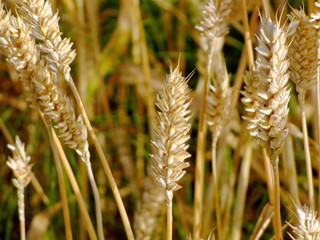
(171, 134)
(213, 28)
(315, 18)
(267, 107)
(303, 65)
(21, 167)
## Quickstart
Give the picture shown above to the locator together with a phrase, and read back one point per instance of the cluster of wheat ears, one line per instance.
(287, 46)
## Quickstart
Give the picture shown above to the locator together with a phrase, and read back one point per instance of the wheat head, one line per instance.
(273, 93)
(302, 53)
(171, 134)
(55, 105)
(45, 27)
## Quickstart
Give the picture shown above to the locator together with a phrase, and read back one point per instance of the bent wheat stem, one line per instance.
(62, 187)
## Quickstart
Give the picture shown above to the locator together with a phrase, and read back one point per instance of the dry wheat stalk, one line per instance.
(213, 27)
(309, 224)
(315, 18)
(304, 62)
(169, 147)
(272, 96)
(149, 208)
(21, 167)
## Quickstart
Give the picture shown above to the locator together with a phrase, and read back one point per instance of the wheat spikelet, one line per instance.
(149, 208)
(303, 54)
(169, 147)
(56, 105)
(19, 49)
(45, 27)
(251, 100)
(272, 65)
(308, 224)
(21, 167)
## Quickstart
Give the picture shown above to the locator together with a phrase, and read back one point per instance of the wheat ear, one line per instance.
(315, 18)
(59, 55)
(308, 224)
(171, 134)
(21, 167)
(303, 65)
(273, 98)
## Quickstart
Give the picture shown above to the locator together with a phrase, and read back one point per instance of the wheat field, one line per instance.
(159, 119)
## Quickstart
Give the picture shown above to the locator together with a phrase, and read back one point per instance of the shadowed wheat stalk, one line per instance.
(171, 134)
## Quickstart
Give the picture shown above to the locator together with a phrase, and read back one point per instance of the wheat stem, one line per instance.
(199, 171)
(307, 155)
(104, 162)
(247, 35)
(96, 199)
(318, 122)
(62, 187)
(275, 163)
(215, 183)
(21, 208)
(76, 189)
(237, 218)
(73, 183)
(169, 218)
